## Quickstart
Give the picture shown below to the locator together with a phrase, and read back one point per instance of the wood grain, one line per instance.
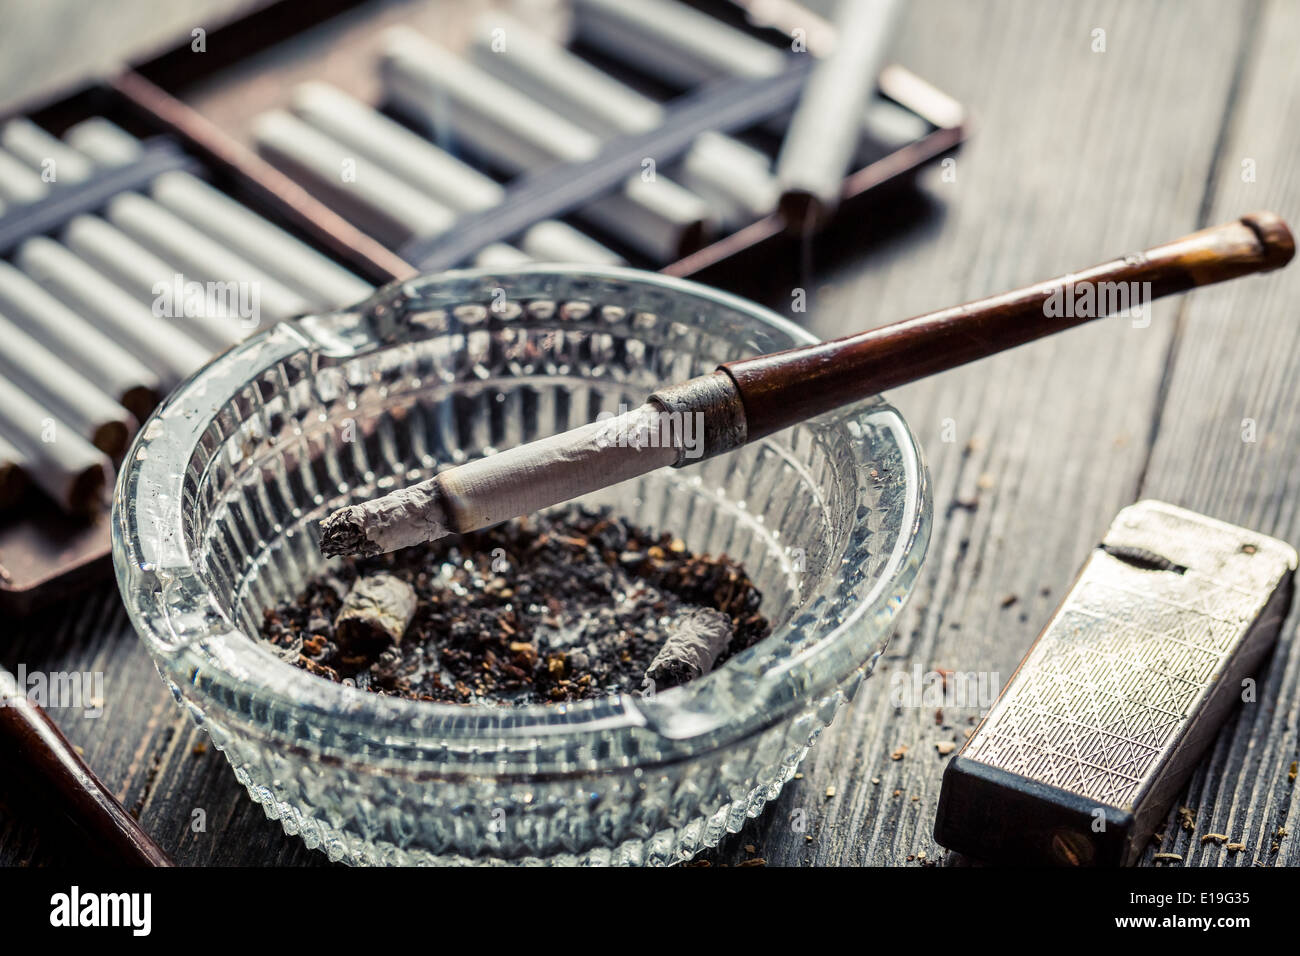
(1076, 155)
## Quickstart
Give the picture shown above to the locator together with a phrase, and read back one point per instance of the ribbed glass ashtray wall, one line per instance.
(215, 520)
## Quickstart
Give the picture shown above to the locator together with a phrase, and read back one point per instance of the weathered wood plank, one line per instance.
(1076, 155)
(1226, 445)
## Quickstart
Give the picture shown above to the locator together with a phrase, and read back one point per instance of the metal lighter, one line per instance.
(1097, 732)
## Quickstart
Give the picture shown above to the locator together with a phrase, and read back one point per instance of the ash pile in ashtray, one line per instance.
(553, 607)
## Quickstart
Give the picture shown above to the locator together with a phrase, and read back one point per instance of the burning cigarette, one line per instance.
(66, 396)
(698, 638)
(294, 263)
(41, 151)
(434, 172)
(657, 217)
(826, 128)
(375, 613)
(735, 178)
(140, 273)
(69, 470)
(518, 481)
(167, 350)
(104, 363)
(18, 184)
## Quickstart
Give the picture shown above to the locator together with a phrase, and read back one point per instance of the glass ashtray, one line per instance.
(215, 519)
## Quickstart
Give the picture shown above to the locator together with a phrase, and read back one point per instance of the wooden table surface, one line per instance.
(1189, 116)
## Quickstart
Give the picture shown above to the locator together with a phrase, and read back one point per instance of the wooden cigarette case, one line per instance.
(1161, 636)
(196, 110)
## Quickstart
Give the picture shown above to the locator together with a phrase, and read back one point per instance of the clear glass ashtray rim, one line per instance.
(221, 670)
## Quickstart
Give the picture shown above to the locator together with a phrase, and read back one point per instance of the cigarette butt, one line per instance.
(697, 639)
(104, 363)
(144, 276)
(43, 152)
(68, 469)
(375, 613)
(66, 397)
(167, 350)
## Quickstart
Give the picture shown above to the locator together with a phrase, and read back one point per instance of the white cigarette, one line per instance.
(489, 490)
(294, 263)
(18, 184)
(146, 278)
(500, 255)
(55, 159)
(654, 215)
(81, 346)
(734, 177)
(825, 131)
(67, 397)
(363, 190)
(162, 346)
(684, 47)
(672, 42)
(433, 171)
(554, 241)
(67, 468)
(202, 259)
(103, 140)
(13, 476)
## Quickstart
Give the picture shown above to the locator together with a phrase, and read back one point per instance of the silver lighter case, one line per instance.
(1095, 735)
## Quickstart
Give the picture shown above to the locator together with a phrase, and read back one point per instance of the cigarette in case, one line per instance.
(241, 230)
(734, 178)
(77, 344)
(137, 270)
(1081, 756)
(510, 129)
(43, 152)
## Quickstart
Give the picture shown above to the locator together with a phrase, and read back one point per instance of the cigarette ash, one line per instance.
(560, 606)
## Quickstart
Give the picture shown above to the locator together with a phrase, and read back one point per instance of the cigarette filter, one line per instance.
(1080, 758)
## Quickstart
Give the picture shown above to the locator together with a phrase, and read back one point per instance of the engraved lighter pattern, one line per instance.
(1108, 689)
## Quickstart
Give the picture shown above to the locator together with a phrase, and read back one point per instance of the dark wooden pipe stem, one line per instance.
(784, 388)
(40, 764)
